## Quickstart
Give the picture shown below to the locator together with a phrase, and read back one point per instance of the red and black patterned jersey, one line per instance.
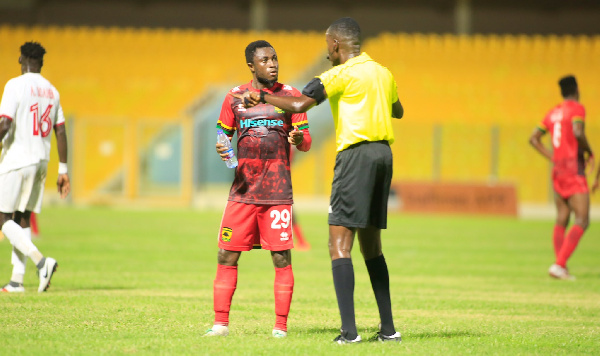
(263, 151)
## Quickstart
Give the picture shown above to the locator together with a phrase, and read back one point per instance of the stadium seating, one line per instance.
(112, 79)
(473, 86)
(471, 101)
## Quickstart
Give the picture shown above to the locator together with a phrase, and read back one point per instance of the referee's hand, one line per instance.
(296, 137)
(248, 98)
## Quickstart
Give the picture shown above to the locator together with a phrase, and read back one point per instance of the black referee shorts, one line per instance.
(361, 186)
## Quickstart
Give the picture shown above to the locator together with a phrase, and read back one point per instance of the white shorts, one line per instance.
(22, 189)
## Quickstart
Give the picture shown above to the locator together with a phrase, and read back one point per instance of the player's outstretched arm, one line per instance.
(63, 182)
(536, 141)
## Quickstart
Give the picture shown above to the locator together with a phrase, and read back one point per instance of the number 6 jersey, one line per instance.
(568, 156)
(33, 106)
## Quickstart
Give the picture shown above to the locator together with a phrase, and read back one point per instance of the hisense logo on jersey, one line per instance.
(257, 123)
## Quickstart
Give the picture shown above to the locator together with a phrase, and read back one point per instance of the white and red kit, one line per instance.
(32, 103)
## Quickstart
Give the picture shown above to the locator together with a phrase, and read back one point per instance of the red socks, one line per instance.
(558, 238)
(223, 289)
(225, 284)
(569, 245)
(283, 287)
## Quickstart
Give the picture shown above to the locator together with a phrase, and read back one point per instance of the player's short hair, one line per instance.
(347, 29)
(33, 50)
(251, 49)
(568, 85)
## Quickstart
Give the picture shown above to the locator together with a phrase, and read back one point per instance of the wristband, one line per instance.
(262, 96)
(62, 168)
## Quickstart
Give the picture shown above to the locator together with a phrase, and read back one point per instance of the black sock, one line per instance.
(41, 264)
(343, 281)
(380, 281)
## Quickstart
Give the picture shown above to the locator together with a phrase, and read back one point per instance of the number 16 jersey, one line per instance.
(32, 103)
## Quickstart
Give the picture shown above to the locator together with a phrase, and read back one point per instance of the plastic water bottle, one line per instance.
(232, 161)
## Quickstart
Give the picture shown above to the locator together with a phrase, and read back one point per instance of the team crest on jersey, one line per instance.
(226, 234)
(278, 110)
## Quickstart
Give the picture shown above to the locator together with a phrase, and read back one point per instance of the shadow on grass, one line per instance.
(441, 334)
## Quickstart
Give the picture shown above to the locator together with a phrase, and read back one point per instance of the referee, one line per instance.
(363, 98)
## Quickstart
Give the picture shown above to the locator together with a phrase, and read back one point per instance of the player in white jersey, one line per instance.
(30, 108)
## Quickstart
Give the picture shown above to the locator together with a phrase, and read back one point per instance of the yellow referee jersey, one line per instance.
(361, 93)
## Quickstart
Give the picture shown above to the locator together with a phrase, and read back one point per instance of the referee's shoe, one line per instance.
(396, 337)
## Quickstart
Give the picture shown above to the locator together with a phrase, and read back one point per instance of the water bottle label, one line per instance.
(230, 153)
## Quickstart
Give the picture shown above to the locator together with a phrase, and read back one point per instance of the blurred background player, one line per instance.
(364, 97)
(565, 122)
(259, 208)
(30, 108)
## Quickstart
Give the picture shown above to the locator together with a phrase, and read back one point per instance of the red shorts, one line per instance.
(248, 226)
(567, 185)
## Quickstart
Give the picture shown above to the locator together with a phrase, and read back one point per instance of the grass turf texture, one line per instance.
(140, 282)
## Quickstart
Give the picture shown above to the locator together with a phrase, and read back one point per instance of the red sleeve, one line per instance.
(545, 125)
(227, 118)
(300, 121)
(578, 113)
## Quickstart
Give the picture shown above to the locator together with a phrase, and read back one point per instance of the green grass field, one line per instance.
(140, 282)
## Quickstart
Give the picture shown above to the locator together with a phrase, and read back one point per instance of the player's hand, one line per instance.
(64, 185)
(296, 137)
(221, 149)
(590, 163)
(248, 98)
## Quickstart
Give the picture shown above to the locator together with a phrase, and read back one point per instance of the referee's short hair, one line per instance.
(33, 50)
(568, 85)
(346, 28)
(251, 49)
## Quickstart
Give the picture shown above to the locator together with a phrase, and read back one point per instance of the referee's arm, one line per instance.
(295, 104)
(313, 94)
(397, 110)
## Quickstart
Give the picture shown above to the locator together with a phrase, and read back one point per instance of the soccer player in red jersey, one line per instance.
(259, 210)
(572, 153)
(363, 98)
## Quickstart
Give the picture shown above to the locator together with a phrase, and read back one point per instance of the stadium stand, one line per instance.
(471, 101)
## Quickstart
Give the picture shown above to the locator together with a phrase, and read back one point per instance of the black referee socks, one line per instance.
(343, 281)
(380, 281)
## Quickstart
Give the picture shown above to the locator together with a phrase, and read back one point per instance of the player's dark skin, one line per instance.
(265, 70)
(578, 203)
(341, 238)
(32, 65)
